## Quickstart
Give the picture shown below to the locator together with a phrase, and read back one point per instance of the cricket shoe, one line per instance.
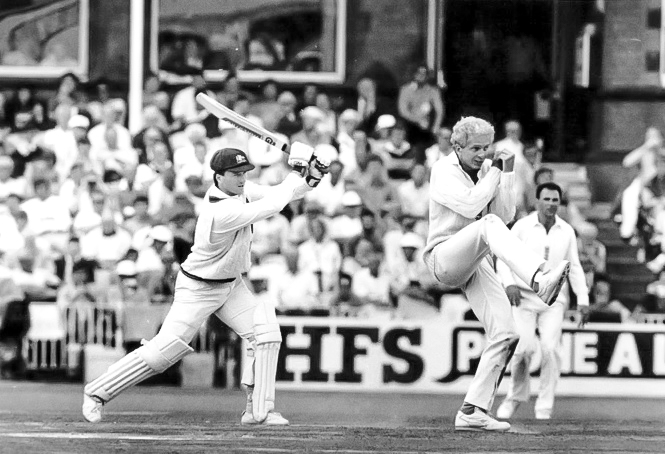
(479, 421)
(273, 419)
(92, 408)
(543, 414)
(548, 284)
(507, 409)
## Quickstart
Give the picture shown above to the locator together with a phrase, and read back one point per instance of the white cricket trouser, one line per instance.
(195, 301)
(529, 315)
(463, 261)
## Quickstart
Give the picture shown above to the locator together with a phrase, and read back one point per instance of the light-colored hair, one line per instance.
(467, 126)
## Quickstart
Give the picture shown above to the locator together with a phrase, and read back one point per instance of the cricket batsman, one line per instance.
(471, 199)
(211, 281)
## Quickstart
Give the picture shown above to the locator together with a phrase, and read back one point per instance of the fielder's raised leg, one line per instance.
(472, 197)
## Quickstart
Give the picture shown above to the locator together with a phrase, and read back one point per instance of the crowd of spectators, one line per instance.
(91, 213)
(640, 213)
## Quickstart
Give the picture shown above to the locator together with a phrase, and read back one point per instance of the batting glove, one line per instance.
(318, 168)
(299, 157)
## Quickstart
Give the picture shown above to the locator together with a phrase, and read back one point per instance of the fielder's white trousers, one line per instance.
(195, 301)
(532, 314)
(463, 261)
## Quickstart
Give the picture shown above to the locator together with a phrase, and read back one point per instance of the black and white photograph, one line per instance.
(332, 226)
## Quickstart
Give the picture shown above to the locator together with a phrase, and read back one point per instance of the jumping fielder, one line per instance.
(471, 199)
(550, 237)
(211, 282)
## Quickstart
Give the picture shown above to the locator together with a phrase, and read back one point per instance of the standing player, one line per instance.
(550, 237)
(471, 199)
(211, 282)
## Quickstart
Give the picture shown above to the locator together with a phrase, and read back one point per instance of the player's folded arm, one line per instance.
(447, 190)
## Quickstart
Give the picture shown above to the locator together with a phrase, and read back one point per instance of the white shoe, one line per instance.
(92, 408)
(507, 409)
(543, 415)
(479, 421)
(273, 419)
(548, 284)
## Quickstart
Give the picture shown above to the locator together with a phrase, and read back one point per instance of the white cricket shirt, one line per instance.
(455, 201)
(559, 244)
(223, 234)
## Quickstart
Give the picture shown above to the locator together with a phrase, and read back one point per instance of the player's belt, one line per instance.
(214, 281)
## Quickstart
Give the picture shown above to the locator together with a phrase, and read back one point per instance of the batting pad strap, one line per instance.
(267, 333)
(163, 351)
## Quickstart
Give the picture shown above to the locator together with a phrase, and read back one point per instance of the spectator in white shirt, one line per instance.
(330, 121)
(150, 264)
(156, 179)
(192, 158)
(348, 123)
(299, 231)
(185, 109)
(409, 275)
(140, 218)
(321, 256)
(98, 137)
(413, 194)
(90, 217)
(11, 240)
(112, 153)
(311, 133)
(74, 190)
(392, 239)
(347, 225)
(9, 185)
(48, 218)
(371, 284)
(384, 124)
(107, 244)
(62, 142)
(296, 290)
(441, 148)
(512, 142)
(79, 126)
(397, 153)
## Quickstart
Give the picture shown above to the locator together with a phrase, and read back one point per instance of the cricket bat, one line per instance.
(238, 121)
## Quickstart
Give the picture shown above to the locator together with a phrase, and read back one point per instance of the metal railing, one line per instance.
(45, 354)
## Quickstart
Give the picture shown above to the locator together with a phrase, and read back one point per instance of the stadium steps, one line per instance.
(629, 277)
(573, 180)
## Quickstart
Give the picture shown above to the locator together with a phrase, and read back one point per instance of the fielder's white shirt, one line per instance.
(456, 201)
(223, 234)
(559, 244)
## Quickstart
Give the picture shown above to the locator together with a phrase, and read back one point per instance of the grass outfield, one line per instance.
(45, 418)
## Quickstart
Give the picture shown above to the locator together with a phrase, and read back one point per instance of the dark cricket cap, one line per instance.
(230, 159)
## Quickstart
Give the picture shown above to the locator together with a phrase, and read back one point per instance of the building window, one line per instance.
(283, 40)
(44, 39)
